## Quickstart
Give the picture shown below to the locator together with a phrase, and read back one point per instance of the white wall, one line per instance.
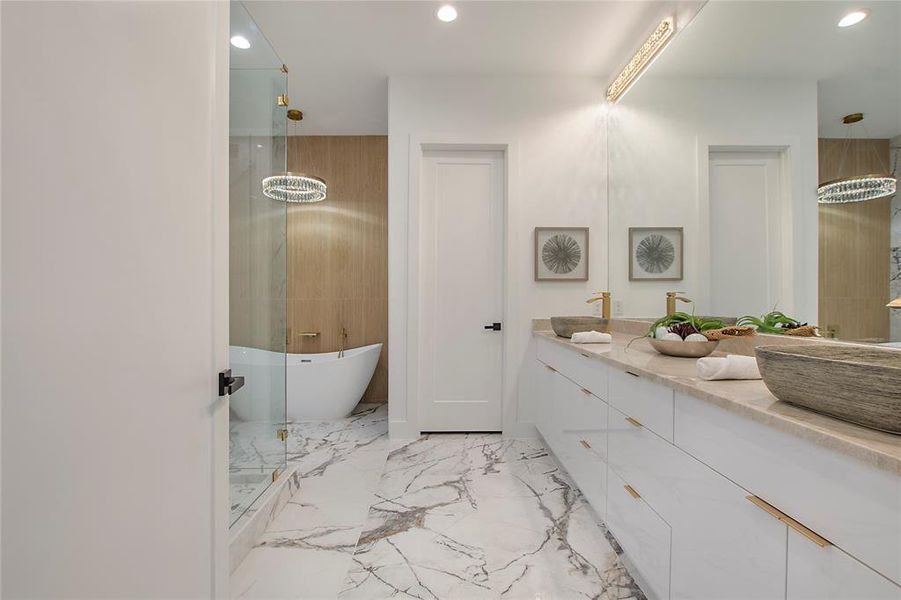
(654, 135)
(114, 150)
(556, 126)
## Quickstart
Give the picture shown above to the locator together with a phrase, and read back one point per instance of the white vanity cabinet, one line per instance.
(721, 542)
(573, 423)
(644, 535)
(826, 573)
(711, 504)
(647, 402)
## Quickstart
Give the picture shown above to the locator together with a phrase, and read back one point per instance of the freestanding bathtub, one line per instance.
(318, 387)
(325, 387)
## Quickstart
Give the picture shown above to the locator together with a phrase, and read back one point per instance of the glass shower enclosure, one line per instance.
(257, 264)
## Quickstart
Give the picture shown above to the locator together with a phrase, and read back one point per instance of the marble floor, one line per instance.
(443, 517)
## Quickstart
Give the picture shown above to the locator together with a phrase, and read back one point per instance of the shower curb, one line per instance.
(248, 529)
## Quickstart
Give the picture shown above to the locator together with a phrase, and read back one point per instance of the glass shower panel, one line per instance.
(257, 267)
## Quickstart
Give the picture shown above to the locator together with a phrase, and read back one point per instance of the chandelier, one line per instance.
(856, 188)
(295, 187)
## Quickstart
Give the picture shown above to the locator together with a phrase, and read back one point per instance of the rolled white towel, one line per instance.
(732, 366)
(591, 337)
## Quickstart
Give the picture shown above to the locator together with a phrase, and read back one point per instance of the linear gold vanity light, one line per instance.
(644, 57)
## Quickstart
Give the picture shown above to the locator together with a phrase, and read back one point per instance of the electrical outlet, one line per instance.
(617, 308)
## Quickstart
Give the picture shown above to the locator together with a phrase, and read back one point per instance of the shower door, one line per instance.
(257, 266)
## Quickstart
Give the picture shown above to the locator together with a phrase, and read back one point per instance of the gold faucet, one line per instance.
(604, 297)
(671, 298)
(342, 341)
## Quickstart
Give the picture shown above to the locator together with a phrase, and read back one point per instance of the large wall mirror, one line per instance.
(716, 153)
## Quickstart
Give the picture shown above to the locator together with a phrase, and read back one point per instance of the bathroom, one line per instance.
(407, 300)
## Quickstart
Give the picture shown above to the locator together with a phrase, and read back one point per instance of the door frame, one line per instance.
(788, 148)
(419, 144)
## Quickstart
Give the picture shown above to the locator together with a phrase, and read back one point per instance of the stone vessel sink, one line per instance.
(567, 326)
(860, 384)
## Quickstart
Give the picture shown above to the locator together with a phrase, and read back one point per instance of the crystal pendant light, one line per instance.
(295, 187)
(857, 188)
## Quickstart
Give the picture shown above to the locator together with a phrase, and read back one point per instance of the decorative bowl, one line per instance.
(683, 349)
(567, 326)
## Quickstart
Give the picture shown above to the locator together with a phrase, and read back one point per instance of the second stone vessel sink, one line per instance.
(860, 384)
(567, 326)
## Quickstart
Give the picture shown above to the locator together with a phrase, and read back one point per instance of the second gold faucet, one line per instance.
(671, 298)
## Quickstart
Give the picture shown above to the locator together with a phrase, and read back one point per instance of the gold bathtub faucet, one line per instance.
(604, 297)
(671, 298)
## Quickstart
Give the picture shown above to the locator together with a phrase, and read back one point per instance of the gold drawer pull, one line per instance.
(586, 392)
(632, 491)
(585, 444)
(308, 334)
(635, 422)
(585, 355)
(778, 514)
(632, 374)
(550, 368)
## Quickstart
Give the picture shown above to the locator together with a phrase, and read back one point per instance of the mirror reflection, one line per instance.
(716, 154)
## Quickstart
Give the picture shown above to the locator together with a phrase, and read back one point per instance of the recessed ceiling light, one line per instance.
(239, 41)
(447, 13)
(853, 18)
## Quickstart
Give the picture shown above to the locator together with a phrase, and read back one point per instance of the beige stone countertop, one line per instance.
(749, 398)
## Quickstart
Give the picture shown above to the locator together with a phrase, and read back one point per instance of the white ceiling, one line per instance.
(340, 54)
(858, 69)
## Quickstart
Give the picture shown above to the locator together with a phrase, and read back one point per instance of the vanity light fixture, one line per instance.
(447, 13)
(856, 188)
(295, 187)
(240, 42)
(853, 18)
(644, 57)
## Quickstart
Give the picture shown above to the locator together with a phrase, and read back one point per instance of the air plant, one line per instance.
(772, 322)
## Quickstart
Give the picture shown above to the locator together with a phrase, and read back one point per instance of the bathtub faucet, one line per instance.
(342, 341)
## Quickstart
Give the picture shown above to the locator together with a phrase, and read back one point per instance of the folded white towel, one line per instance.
(591, 337)
(732, 366)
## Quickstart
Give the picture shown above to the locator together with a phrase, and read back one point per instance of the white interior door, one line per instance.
(747, 213)
(114, 314)
(462, 273)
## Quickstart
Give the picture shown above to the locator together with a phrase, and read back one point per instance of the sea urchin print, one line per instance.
(561, 254)
(655, 253)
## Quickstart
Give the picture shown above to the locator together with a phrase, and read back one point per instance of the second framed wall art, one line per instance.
(655, 254)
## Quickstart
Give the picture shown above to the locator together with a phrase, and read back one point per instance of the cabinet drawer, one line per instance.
(816, 573)
(851, 504)
(583, 436)
(648, 402)
(578, 365)
(543, 394)
(720, 542)
(643, 534)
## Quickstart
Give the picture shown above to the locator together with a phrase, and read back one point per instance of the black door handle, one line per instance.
(493, 327)
(228, 384)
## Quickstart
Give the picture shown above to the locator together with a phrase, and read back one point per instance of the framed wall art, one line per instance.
(655, 254)
(561, 254)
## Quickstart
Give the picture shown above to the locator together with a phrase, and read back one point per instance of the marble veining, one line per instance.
(478, 516)
(445, 516)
